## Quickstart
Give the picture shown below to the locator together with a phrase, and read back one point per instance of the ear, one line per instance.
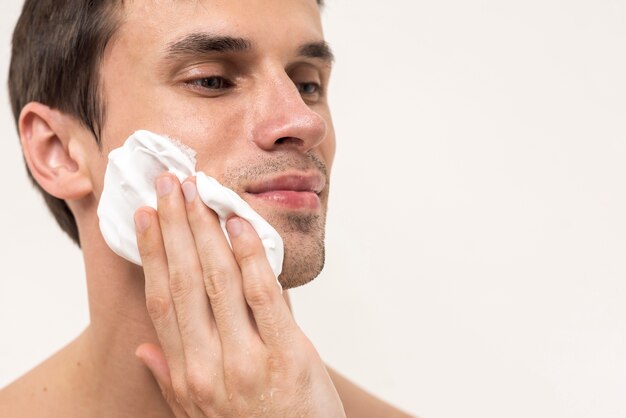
(51, 142)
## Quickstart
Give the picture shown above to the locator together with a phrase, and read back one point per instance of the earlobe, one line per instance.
(53, 152)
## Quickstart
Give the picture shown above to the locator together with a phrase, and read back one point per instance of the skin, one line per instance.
(201, 330)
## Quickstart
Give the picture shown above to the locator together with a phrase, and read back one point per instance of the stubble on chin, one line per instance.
(303, 236)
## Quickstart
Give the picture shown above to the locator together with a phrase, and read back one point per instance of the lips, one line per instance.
(296, 182)
(294, 191)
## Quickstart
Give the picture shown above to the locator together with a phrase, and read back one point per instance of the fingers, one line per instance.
(185, 275)
(260, 289)
(175, 294)
(158, 299)
(221, 274)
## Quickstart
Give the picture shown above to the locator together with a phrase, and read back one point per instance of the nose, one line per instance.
(282, 119)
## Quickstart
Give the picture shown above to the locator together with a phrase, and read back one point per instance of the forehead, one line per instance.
(157, 23)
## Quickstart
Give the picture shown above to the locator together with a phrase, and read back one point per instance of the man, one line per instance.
(200, 330)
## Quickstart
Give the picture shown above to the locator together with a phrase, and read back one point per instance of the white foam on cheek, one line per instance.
(129, 183)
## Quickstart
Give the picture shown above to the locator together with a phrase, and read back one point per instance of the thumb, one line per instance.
(153, 358)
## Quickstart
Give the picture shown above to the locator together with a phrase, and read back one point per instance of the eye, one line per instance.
(211, 83)
(309, 88)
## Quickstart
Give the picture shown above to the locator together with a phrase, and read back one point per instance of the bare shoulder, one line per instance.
(41, 392)
(359, 403)
(27, 396)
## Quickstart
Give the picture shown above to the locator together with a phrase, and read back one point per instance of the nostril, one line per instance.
(289, 140)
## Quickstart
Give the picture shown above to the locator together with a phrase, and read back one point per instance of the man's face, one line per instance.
(244, 84)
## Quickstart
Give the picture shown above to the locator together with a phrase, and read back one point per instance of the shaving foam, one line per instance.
(129, 183)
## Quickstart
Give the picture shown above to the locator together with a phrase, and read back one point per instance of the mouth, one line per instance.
(296, 191)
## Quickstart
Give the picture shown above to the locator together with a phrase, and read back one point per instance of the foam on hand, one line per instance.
(129, 183)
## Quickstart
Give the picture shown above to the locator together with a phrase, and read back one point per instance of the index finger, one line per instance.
(262, 294)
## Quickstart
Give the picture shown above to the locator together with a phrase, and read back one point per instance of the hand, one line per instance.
(230, 346)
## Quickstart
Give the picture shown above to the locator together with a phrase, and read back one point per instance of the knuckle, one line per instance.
(195, 213)
(278, 365)
(259, 295)
(247, 255)
(239, 374)
(179, 284)
(199, 386)
(216, 283)
(158, 307)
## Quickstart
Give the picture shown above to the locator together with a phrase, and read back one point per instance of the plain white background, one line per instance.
(477, 231)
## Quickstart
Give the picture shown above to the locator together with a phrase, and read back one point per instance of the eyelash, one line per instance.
(204, 84)
(301, 88)
(200, 83)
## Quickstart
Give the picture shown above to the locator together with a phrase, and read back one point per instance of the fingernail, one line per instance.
(189, 190)
(164, 185)
(142, 221)
(234, 227)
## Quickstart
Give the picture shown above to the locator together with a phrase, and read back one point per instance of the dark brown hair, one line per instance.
(55, 60)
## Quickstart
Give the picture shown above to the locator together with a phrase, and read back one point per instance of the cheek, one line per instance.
(328, 147)
(217, 133)
(200, 122)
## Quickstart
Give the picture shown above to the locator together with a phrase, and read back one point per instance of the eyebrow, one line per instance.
(318, 49)
(204, 43)
(199, 43)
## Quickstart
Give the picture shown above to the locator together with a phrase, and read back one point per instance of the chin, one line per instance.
(299, 270)
(303, 237)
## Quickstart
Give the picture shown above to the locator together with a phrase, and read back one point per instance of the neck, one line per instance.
(119, 323)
